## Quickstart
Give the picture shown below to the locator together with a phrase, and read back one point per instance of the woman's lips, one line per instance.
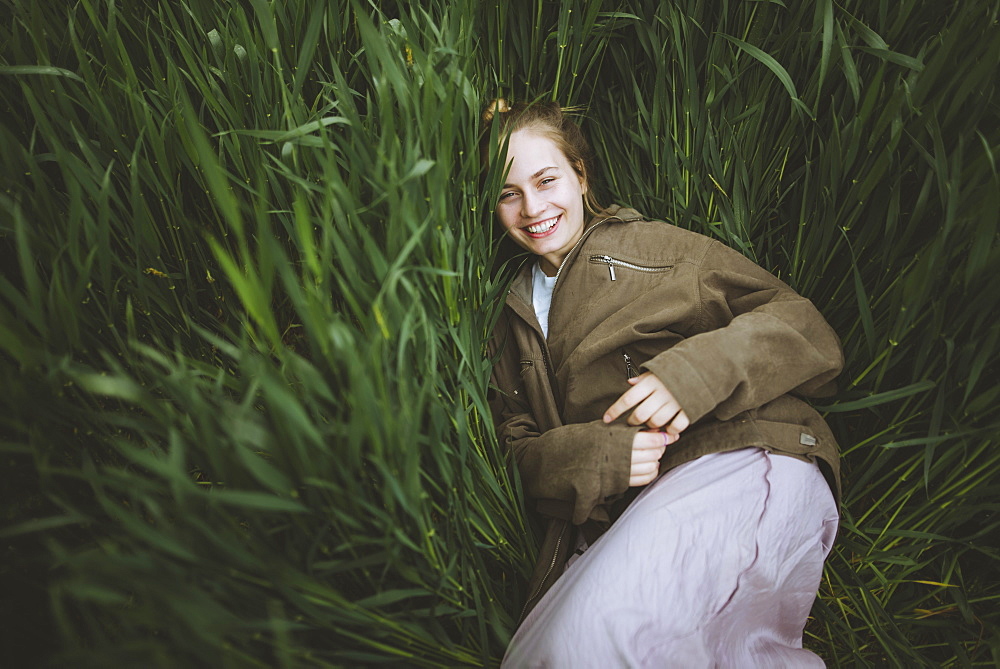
(546, 233)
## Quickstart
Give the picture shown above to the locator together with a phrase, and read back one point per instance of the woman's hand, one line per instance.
(647, 449)
(654, 405)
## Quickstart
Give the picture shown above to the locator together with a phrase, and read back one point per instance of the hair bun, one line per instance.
(496, 105)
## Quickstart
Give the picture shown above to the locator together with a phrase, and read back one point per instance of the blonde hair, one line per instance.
(548, 120)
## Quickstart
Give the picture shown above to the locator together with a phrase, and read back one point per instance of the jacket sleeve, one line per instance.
(756, 340)
(572, 470)
(583, 465)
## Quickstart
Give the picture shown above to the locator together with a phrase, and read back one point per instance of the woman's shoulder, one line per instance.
(635, 233)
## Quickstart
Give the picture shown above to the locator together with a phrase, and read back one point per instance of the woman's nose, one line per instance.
(531, 205)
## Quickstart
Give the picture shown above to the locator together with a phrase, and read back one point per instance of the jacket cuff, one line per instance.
(684, 382)
(611, 446)
(618, 456)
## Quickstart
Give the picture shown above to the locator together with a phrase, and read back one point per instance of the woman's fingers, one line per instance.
(647, 449)
(671, 418)
(679, 423)
(645, 409)
(663, 415)
(653, 405)
(646, 455)
(642, 387)
(655, 411)
(643, 477)
(642, 473)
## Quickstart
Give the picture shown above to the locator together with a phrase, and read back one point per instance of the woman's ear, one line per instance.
(581, 174)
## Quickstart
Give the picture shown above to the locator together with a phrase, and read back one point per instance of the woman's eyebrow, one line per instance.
(535, 175)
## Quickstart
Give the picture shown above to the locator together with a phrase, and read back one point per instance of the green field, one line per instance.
(245, 287)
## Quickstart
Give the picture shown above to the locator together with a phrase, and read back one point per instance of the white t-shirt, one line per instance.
(541, 296)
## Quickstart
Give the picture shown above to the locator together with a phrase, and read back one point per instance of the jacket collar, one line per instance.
(624, 214)
(614, 213)
(519, 293)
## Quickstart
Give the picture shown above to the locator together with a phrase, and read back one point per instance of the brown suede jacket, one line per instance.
(732, 343)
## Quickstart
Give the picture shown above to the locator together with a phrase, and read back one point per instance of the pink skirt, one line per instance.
(715, 564)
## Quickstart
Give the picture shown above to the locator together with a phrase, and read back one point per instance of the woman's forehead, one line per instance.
(531, 151)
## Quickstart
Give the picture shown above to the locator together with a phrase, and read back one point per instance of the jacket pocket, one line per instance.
(613, 262)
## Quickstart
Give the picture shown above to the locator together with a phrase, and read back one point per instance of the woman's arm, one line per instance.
(757, 340)
(581, 466)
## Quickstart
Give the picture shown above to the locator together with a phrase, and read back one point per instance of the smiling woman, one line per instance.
(645, 394)
(541, 205)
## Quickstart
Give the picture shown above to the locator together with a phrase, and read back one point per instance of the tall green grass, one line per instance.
(243, 335)
(245, 290)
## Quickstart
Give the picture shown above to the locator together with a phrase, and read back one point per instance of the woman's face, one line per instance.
(541, 204)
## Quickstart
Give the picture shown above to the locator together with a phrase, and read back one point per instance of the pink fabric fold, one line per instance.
(715, 564)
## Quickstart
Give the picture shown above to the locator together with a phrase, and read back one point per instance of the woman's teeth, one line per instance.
(544, 226)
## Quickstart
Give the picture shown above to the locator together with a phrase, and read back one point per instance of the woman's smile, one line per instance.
(543, 228)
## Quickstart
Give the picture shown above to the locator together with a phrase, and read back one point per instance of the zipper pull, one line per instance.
(607, 260)
(629, 369)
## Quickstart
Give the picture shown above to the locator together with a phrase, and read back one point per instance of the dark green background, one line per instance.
(245, 288)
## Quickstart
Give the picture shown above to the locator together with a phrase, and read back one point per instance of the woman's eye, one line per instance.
(546, 181)
(506, 196)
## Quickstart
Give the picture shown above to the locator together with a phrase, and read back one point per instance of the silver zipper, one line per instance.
(615, 262)
(586, 233)
(548, 571)
(629, 369)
